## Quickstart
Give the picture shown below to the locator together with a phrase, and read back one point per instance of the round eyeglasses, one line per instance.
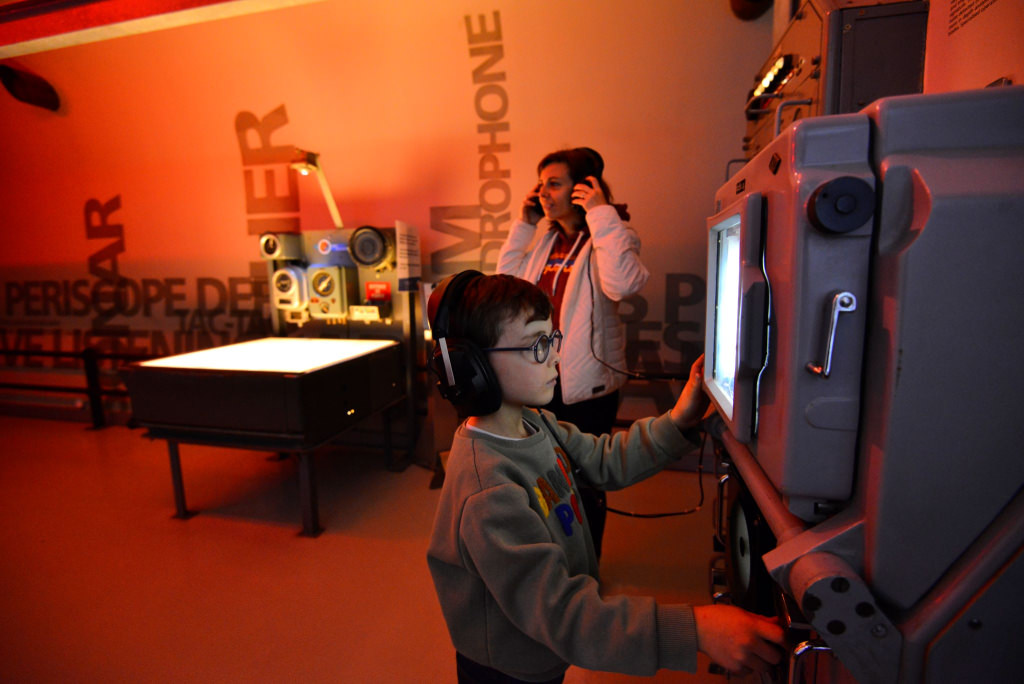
(541, 348)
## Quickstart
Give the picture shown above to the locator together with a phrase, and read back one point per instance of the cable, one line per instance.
(644, 376)
(578, 472)
(632, 374)
(688, 511)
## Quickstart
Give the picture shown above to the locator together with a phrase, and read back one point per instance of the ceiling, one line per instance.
(28, 26)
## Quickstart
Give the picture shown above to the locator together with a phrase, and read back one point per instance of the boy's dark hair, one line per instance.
(489, 302)
(467, 312)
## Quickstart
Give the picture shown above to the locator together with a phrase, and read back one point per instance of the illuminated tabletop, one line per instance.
(289, 395)
(273, 355)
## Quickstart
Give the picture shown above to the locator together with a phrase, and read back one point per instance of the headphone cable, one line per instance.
(593, 352)
(688, 511)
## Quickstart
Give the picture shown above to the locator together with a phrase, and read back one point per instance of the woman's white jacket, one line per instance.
(607, 270)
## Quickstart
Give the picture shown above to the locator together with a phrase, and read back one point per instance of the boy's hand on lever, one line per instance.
(739, 641)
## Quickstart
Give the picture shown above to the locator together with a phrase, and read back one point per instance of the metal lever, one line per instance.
(801, 651)
(783, 105)
(718, 514)
(843, 302)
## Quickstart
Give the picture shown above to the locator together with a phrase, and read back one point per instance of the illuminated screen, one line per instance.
(727, 307)
(273, 354)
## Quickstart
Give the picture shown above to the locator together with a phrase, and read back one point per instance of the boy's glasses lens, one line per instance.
(542, 347)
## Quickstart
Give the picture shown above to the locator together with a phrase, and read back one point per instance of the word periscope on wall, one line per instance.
(112, 312)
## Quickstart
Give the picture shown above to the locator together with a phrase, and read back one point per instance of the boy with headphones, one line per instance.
(511, 554)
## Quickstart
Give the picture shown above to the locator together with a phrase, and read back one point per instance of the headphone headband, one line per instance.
(445, 298)
(465, 377)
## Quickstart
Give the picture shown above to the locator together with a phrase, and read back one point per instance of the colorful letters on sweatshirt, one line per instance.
(555, 494)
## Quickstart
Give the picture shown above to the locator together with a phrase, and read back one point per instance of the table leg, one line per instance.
(394, 464)
(307, 496)
(389, 453)
(176, 480)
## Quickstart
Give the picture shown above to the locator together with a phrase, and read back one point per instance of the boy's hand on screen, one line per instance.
(692, 402)
(739, 641)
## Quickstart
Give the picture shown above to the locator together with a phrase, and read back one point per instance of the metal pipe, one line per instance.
(92, 385)
(784, 524)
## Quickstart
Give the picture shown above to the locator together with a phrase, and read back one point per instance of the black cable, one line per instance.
(578, 472)
(632, 374)
(700, 486)
(644, 376)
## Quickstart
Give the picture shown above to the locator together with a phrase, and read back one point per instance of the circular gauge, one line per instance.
(270, 245)
(368, 246)
(748, 538)
(323, 283)
(739, 541)
(284, 282)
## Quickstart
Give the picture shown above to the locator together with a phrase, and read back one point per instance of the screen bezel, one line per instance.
(739, 413)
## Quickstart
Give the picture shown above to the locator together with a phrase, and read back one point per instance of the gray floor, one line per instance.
(98, 583)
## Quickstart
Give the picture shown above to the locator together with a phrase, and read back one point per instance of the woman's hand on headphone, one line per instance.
(588, 194)
(531, 211)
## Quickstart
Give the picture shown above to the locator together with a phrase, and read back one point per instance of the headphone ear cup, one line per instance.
(476, 391)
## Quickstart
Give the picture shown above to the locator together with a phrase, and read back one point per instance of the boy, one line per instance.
(511, 554)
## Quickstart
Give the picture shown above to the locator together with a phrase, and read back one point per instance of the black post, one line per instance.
(181, 511)
(307, 496)
(92, 387)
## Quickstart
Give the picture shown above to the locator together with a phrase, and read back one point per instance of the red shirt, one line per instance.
(560, 258)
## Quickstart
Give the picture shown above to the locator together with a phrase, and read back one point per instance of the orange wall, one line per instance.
(141, 174)
(972, 44)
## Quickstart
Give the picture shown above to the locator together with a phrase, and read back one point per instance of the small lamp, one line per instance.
(306, 162)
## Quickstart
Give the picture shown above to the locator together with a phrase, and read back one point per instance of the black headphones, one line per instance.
(464, 375)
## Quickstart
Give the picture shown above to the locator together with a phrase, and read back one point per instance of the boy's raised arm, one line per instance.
(692, 402)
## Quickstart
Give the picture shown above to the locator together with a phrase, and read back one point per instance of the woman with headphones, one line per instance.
(587, 262)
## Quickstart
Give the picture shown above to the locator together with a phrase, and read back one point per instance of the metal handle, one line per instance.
(719, 510)
(783, 524)
(728, 166)
(717, 576)
(783, 105)
(842, 302)
(802, 650)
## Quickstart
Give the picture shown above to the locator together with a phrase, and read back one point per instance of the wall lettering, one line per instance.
(478, 247)
(40, 314)
(963, 12)
(680, 333)
(442, 220)
(273, 204)
(108, 292)
(225, 310)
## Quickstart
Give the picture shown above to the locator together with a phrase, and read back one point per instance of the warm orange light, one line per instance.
(274, 354)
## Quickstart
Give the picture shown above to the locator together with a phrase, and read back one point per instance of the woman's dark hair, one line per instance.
(583, 162)
(489, 302)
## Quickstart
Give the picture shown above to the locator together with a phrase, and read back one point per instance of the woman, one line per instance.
(587, 262)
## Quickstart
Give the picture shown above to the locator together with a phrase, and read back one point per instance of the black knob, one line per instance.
(841, 205)
(367, 246)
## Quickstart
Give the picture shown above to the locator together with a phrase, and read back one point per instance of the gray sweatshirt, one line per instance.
(513, 561)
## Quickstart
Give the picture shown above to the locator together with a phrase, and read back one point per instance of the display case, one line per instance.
(298, 392)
